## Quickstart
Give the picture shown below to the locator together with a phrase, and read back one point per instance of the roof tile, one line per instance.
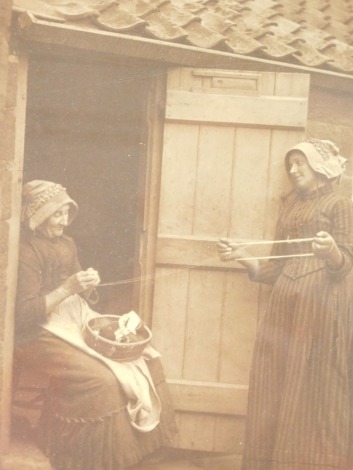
(316, 37)
(339, 30)
(116, 19)
(315, 4)
(251, 23)
(162, 28)
(341, 56)
(281, 27)
(288, 7)
(312, 17)
(215, 21)
(342, 16)
(274, 47)
(242, 43)
(179, 16)
(191, 6)
(38, 8)
(308, 55)
(200, 36)
(234, 5)
(227, 13)
(138, 7)
(258, 7)
(78, 11)
(345, 5)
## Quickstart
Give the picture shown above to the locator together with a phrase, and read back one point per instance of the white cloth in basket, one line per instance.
(144, 407)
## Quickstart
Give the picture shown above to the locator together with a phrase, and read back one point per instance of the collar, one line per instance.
(322, 190)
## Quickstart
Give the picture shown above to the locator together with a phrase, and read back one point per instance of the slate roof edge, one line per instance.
(33, 30)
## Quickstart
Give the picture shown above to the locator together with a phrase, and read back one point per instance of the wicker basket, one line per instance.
(117, 351)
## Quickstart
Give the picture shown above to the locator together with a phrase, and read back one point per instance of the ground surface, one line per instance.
(24, 455)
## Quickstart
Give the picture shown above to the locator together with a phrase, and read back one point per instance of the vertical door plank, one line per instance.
(229, 434)
(178, 179)
(278, 182)
(252, 148)
(238, 328)
(268, 80)
(169, 318)
(203, 326)
(288, 84)
(214, 174)
(196, 431)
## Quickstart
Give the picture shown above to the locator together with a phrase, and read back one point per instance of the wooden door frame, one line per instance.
(150, 178)
(15, 116)
(145, 246)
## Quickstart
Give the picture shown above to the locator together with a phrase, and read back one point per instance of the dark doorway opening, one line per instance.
(84, 129)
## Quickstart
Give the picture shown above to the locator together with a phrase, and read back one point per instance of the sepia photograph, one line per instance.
(176, 235)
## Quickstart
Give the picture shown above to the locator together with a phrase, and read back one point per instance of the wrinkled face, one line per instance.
(302, 176)
(55, 224)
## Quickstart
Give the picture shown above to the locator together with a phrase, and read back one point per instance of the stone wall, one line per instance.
(330, 117)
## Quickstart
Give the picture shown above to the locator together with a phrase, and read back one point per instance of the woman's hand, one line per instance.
(325, 246)
(75, 284)
(230, 251)
(81, 281)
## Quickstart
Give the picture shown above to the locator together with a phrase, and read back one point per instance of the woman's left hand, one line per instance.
(95, 279)
(323, 244)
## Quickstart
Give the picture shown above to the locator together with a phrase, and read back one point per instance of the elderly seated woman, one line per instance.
(90, 416)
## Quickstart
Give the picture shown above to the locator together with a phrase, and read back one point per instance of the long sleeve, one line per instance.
(268, 272)
(44, 265)
(30, 306)
(342, 232)
(304, 217)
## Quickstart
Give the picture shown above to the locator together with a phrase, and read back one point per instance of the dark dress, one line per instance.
(84, 424)
(299, 412)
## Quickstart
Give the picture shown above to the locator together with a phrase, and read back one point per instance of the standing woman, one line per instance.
(85, 424)
(300, 405)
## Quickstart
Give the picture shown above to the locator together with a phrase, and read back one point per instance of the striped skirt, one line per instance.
(299, 412)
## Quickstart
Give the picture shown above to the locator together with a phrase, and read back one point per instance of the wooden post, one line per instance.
(11, 161)
(5, 19)
(150, 181)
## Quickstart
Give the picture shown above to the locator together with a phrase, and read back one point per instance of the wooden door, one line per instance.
(225, 135)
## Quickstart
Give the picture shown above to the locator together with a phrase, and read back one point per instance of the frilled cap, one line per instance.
(322, 155)
(40, 199)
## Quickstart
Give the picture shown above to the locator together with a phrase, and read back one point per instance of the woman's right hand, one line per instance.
(81, 281)
(230, 251)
